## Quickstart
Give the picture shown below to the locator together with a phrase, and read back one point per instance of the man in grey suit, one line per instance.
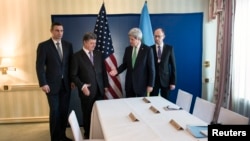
(164, 65)
(139, 62)
(52, 69)
(89, 74)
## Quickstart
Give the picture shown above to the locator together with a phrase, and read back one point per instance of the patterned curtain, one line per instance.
(223, 10)
(215, 7)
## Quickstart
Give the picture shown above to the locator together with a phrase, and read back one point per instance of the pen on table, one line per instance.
(170, 108)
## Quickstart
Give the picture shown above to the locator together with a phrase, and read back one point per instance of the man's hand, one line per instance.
(149, 89)
(72, 85)
(85, 89)
(171, 87)
(45, 88)
(113, 72)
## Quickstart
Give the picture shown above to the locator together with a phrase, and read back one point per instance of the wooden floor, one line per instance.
(27, 132)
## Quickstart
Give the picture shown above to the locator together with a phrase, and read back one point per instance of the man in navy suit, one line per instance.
(89, 74)
(140, 75)
(52, 69)
(164, 65)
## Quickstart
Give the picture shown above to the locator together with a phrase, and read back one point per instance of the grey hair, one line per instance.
(136, 33)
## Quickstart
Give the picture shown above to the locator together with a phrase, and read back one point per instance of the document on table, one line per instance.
(197, 131)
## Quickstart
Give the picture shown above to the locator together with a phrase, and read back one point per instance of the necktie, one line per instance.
(59, 50)
(159, 53)
(91, 57)
(134, 56)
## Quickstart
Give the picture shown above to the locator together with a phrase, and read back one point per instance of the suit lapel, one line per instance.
(94, 57)
(129, 54)
(139, 55)
(164, 52)
(155, 54)
(86, 57)
(63, 50)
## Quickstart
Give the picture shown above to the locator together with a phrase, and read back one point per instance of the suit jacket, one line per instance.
(143, 73)
(166, 69)
(83, 72)
(49, 67)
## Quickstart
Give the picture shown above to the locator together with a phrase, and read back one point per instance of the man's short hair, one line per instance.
(55, 24)
(89, 35)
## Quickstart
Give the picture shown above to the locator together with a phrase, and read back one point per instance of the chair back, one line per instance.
(204, 109)
(227, 116)
(75, 126)
(184, 100)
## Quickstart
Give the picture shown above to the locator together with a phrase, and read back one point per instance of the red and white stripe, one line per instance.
(115, 89)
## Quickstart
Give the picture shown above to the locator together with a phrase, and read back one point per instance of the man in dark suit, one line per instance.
(139, 62)
(164, 65)
(52, 69)
(90, 76)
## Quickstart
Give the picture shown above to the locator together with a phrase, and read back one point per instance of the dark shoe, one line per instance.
(86, 137)
(66, 139)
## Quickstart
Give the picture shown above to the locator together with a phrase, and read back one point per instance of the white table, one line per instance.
(110, 121)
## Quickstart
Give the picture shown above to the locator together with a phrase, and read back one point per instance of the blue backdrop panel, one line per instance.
(183, 32)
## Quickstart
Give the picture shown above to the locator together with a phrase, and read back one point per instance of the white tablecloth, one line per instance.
(110, 121)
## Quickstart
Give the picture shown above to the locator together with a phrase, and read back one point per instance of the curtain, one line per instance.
(240, 58)
(222, 87)
(215, 7)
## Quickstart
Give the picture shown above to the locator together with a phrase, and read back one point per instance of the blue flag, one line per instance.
(145, 26)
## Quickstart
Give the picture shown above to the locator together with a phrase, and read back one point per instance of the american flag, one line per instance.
(105, 45)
